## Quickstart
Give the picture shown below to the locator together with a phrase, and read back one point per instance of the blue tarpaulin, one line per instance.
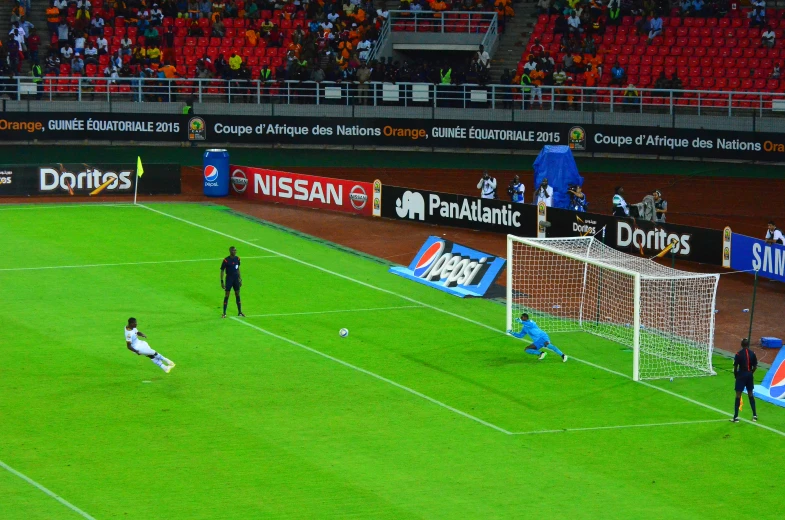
(557, 165)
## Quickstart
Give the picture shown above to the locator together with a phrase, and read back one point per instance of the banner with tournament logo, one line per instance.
(310, 191)
(772, 388)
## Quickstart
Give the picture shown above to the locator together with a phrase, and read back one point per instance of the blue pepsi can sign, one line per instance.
(452, 268)
(772, 388)
(216, 173)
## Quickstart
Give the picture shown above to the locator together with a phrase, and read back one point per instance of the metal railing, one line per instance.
(424, 95)
(442, 21)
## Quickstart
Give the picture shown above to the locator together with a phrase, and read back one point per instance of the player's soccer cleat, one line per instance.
(542, 355)
(166, 368)
(223, 315)
(754, 418)
(735, 419)
(240, 315)
(564, 358)
(171, 364)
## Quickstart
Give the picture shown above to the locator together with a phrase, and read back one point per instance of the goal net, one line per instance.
(664, 315)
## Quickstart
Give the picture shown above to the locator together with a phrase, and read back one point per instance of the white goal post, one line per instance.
(666, 316)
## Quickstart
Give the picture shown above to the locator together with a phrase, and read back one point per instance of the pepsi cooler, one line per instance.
(216, 173)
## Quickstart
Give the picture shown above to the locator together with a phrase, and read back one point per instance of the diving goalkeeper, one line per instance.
(540, 340)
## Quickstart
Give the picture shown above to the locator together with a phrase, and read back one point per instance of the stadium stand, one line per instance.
(719, 53)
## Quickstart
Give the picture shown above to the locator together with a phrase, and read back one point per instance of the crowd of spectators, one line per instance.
(226, 39)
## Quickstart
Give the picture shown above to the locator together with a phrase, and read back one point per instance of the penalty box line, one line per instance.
(334, 311)
(374, 375)
(619, 427)
(448, 313)
(126, 263)
(35, 484)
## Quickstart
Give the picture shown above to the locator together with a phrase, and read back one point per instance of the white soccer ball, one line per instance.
(343, 332)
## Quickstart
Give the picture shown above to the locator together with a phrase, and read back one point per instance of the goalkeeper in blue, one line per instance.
(540, 340)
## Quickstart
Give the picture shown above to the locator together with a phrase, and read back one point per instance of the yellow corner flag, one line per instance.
(139, 168)
(665, 251)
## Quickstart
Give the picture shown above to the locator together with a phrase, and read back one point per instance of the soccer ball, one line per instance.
(343, 332)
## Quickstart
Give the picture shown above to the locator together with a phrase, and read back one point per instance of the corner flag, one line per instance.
(139, 172)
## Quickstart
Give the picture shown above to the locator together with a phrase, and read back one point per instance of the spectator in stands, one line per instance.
(546, 63)
(655, 28)
(139, 55)
(544, 193)
(62, 33)
(66, 52)
(91, 54)
(697, 8)
(662, 83)
(631, 97)
(205, 8)
(77, 65)
(116, 60)
(151, 36)
(235, 61)
(567, 62)
(530, 65)
(768, 38)
(574, 23)
(590, 79)
(537, 48)
(103, 45)
(614, 12)
(544, 7)
(79, 43)
(757, 17)
(483, 58)
(33, 44)
(776, 72)
(156, 16)
(153, 54)
(126, 45)
(52, 63)
(561, 26)
(97, 26)
(676, 84)
(618, 74)
(620, 207)
(506, 93)
(52, 18)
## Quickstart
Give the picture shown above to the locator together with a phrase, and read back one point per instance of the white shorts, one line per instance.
(143, 349)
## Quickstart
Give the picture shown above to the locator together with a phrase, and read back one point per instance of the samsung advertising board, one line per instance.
(452, 268)
(754, 254)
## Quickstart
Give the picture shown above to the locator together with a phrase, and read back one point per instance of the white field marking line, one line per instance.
(12, 207)
(619, 427)
(32, 482)
(374, 375)
(127, 263)
(336, 311)
(443, 311)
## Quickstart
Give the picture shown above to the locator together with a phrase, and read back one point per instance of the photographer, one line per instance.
(620, 207)
(578, 200)
(516, 190)
(487, 186)
(660, 206)
(544, 193)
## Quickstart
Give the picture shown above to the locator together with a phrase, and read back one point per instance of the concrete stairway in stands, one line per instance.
(513, 41)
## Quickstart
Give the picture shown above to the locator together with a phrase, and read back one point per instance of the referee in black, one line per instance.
(744, 365)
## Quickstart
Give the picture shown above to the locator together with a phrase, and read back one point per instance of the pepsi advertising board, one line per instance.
(216, 173)
(452, 268)
(296, 189)
(772, 388)
(754, 254)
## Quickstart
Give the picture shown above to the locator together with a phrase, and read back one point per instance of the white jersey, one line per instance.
(130, 335)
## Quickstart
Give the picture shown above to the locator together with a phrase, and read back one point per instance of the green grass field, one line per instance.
(426, 410)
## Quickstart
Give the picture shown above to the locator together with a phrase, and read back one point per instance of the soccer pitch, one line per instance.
(426, 410)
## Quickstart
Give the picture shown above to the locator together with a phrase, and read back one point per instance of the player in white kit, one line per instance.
(141, 348)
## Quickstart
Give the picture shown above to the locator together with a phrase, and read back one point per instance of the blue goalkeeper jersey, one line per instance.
(531, 328)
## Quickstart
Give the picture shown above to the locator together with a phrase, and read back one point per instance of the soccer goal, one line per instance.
(664, 315)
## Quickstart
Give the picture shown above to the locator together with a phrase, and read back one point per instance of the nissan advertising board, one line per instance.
(296, 189)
